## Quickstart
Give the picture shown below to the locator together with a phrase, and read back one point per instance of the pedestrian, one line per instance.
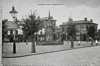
(92, 42)
(72, 44)
(96, 42)
(79, 43)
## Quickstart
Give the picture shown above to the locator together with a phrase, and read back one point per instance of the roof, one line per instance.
(47, 18)
(78, 22)
(82, 21)
(11, 25)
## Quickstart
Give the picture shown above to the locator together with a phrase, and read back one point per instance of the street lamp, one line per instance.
(13, 13)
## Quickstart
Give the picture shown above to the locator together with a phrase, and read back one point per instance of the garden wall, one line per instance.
(23, 47)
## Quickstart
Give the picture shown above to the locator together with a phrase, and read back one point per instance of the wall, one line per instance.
(20, 47)
(66, 45)
(50, 48)
(25, 48)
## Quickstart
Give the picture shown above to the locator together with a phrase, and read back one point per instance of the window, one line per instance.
(8, 32)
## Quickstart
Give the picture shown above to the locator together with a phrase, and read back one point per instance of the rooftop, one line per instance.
(85, 21)
(11, 25)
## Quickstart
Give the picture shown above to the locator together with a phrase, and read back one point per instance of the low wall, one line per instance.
(21, 47)
(26, 47)
(50, 48)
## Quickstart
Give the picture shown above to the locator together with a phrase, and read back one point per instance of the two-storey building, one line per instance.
(81, 27)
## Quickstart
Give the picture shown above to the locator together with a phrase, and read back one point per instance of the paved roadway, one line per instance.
(89, 56)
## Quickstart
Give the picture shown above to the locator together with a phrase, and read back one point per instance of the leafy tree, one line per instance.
(31, 26)
(91, 31)
(71, 33)
(4, 31)
(98, 34)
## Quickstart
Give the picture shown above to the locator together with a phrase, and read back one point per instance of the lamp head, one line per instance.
(13, 12)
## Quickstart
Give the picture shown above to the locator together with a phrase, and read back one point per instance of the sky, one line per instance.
(61, 10)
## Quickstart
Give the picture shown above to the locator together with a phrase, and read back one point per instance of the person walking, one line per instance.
(72, 43)
(96, 42)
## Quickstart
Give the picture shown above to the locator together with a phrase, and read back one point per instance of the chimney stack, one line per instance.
(91, 20)
(85, 18)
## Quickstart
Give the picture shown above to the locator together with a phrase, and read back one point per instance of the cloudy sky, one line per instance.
(76, 9)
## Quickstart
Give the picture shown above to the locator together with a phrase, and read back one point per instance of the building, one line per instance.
(81, 27)
(12, 28)
(48, 25)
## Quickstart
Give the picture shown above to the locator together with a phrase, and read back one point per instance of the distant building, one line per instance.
(48, 24)
(58, 33)
(80, 26)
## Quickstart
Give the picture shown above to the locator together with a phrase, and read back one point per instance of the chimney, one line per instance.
(91, 20)
(85, 19)
(70, 19)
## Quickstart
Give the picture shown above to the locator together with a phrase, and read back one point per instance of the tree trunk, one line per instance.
(33, 45)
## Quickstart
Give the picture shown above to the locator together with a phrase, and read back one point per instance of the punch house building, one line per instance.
(11, 27)
(12, 30)
(81, 28)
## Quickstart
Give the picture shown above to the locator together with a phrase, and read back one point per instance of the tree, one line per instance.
(4, 30)
(91, 31)
(31, 26)
(98, 35)
(71, 33)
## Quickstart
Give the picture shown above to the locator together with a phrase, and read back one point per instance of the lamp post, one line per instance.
(13, 13)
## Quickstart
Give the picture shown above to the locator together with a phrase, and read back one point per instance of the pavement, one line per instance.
(89, 56)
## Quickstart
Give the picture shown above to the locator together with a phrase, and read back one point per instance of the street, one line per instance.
(89, 56)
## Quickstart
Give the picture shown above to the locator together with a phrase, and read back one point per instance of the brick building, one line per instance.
(48, 25)
(80, 27)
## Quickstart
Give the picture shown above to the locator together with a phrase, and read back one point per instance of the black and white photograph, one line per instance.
(50, 32)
